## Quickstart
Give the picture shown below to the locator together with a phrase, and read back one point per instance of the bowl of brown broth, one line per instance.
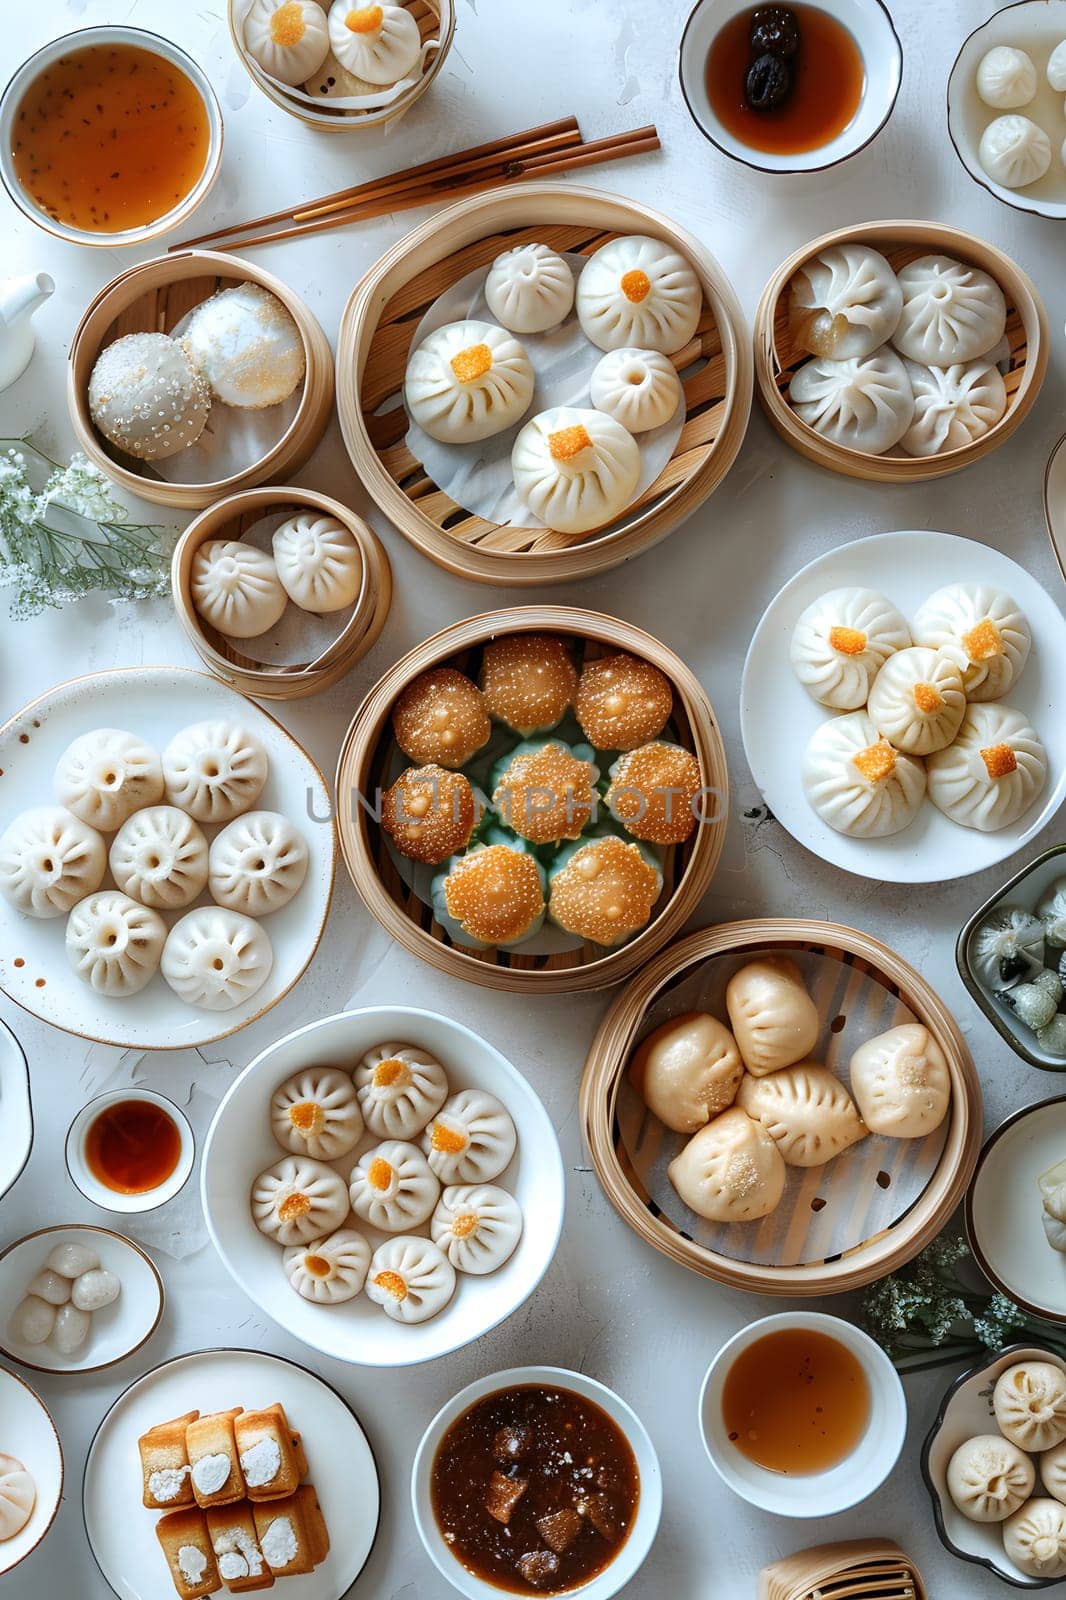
(803, 1414)
(109, 136)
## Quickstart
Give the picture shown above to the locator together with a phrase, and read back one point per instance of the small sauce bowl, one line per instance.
(114, 1199)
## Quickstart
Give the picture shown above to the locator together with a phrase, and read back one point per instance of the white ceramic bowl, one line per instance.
(30, 1436)
(112, 1199)
(240, 1145)
(633, 1552)
(1004, 1213)
(16, 1112)
(815, 1494)
(65, 45)
(869, 24)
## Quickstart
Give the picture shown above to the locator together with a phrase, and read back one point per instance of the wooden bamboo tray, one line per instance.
(230, 519)
(376, 331)
(688, 868)
(777, 358)
(436, 20)
(856, 1569)
(876, 1256)
(152, 298)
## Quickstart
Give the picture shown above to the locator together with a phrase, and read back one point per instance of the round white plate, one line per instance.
(16, 1114)
(116, 1331)
(339, 1459)
(1004, 1209)
(156, 702)
(240, 1146)
(1055, 502)
(778, 716)
(29, 1434)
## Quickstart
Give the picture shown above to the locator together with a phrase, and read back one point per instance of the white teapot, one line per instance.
(19, 299)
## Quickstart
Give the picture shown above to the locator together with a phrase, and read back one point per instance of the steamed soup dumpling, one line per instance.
(953, 406)
(575, 469)
(530, 289)
(471, 1139)
(841, 641)
(379, 43)
(318, 562)
(639, 291)
(775, 1021)
(1056, 68)
(730, 1171)
(236, 588)
(1029, 1401)
(393, 1188)
(216, 959)
(478, 1227)
(1014, 151)
(114, 944)
(288, 38)
(858, 782)
(951, 312)
(329, 1271)
(1053, 1471)
(989, 1478)
(864, 403)
(411, 1279)
(467, 381)
(1006, 77)
(214, 770)
(901, 1082)
(806, 1110)
(49, 860)
(845, 303)
(1034, 1538)
(257, 863)
(298, 1200)
(918, 701)
(159, 857)
(992, 773)
(106, 775)
(983, 630)
(399, 1088)
(687, 1071)
(316, 1113)
(638, 388)
(18, 1496)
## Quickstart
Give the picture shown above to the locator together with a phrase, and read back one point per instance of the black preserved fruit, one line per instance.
(768, 83)
(775, 31)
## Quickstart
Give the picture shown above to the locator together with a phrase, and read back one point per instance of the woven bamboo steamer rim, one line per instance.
(153, 297)
(457, 233)
(1027, 332)
(854, 1569)
(434, 17)
(610, 1051)
(227, 520)
(370, 725)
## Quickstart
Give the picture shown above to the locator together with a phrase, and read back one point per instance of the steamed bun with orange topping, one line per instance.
(288, 38)
(378, 43)
(637, 291)
(576, 469)
(468, 381)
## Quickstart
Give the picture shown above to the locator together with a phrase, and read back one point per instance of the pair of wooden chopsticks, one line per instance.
(554, 147)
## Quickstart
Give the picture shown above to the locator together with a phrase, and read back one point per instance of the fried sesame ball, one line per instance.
(528, 680)
(429, 813)
(652, 790)
(495, 894)
(622, 701)
(546, 794)
(605, 892)
(441, 717)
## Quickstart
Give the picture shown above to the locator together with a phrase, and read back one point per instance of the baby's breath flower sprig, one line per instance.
(69, 536)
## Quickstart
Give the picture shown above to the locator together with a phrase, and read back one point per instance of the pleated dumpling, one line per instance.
(901, 1082)
(315, 1113)
(917, 701)
(478, 1227)
(379, 43)
(858, 782)
(638, 388)
(393, 1188)
(331, 1270)
(49, 860)
(731, 1171)
(774, 1019)
(288, 38)
(106, 775)
(1015, 151)
(951, 312)
(411, 1279)
(1029, 1401)
(993, 772)
(467, 381)
(1006, 77)
(1034, 1538)
(687, 1070)
(114, 944)
(319, 563)
(864, 403)
(641, 292)
(236, 588)
(18, 1496)
(530, 289)
(989, 1478)
(841, 641)
(298, 1200)
(1053, 1471)
(399, 1086)
(845, 302)
(953, 406)
(257, 863)
(983, 631)
(576, 469)
(471, 1139)
(216, 959)
(806, 1110)
(214, 770)
(159, 856)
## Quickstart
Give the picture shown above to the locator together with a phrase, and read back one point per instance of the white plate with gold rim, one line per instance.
(155, 702)
(29, 1434)
(16, 1111)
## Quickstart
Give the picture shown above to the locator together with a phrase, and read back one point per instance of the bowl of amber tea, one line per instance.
(109, 136)
(802, 1414)
(130, 1150)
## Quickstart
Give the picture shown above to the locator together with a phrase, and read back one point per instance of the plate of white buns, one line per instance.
(898, 707)
(167, 855)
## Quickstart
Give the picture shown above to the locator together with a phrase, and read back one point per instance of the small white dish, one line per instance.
(1004, 1209)
(16, 1111)
(240, 1145)
(778, 716)
(1055, 503)
(633, 1552)
(870, 25)
(30, 1435)
(815, 1494)
(117, 1331)
(156, 702)
(113, 1199)
(340, 1465)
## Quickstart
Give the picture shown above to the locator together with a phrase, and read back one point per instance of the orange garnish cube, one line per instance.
(877, 762)
(927, 699)
(380, 1173)
(393, 1284)
(635, 285)
(293, 1207)
(1000, 760)
(848, 641)
(447, 1140)
(364, 19)
(287, 24)
(566, 443)
(472, 363)
(983, 642)
(306, 1116)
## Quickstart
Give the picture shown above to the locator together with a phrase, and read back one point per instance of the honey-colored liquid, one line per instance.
(796, 1402)
(110, 137)
(828, 82)
(132, 1146)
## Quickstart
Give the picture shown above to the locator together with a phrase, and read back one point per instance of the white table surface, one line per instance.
(610, 1305)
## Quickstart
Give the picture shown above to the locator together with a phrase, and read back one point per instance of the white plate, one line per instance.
(240, 1146)
(29, 1434)
(155, 702)
(778, 716)
(116, 1331)
(1055, 503)
(1004, 1209)
(16, 1113)
(339, 1459)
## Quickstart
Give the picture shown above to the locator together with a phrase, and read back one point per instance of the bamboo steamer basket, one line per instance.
(436, 20)
(688, 868)
(876, 1256)
(777, 358)
(856, 1569)
(230, 519)
(376, 332)
(152, 298)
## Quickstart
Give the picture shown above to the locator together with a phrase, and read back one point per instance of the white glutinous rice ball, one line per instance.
(1056, 68)
(953, 406)
(32, 1320)
(575, 469)
(468, 381)
(113, 944)
(1006, 77)
(378, 43)
(288, 38)
(95, 1289)
(638, 388)
(216, 959)
(247, 346)
(530, 289)
(236, 588)
(49, 860)
(640, 292)
(1014, 151)
(71, 1329)
(71, 1260)
(146, 396)
(951, 312)
(319, 563)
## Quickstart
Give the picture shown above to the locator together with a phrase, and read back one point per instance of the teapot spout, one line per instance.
(21, 297)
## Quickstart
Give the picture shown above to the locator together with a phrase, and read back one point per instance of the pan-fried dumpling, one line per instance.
(315, 1113)
(378, 43)
(864, 403)
(257, 863)
(399, 1087)
(953, 406)
(159, 856)
(1015, 151)
(983, 631)
(331, 1270)
(807, 1112)
(319, 563)
(638, 291)
(992, 773)
(478, 1227)
(638, 388)
(467, 381)
(841, 641)
(918, 701)
(236, 588)
(214, 770)
(1006, 77)
(288, 38)
(106, 775)
(1034, 1538)
(216, 959)
(393, 1188)
(18, 1496)
(574, 468)
(471, 1139)
(775, 1021)
(530, 289)
(989, 1478)
(951, 312)
(845, 302)
(114, 944)
(731, 1171)
(411, 1279)
(856, 780)
(687, 1071)
(298, 1200)
(901, 1082)
(49, 860)
(1029, 1401)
